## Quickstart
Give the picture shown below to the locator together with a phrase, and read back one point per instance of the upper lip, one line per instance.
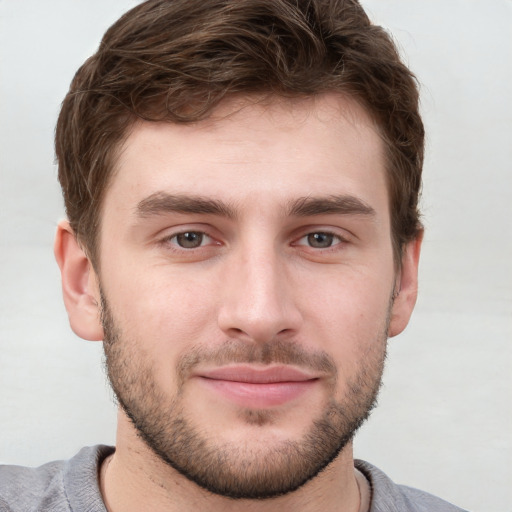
(257, 375)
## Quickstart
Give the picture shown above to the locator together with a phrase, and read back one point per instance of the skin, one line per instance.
(256, 279)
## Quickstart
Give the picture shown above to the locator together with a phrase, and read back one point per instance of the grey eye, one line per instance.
(190, 239)
(320, 240)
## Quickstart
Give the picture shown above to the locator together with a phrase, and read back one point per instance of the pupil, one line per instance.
(320, 240)
(190, 239)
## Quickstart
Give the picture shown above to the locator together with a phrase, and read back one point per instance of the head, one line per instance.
(241, 180)
(175, 61)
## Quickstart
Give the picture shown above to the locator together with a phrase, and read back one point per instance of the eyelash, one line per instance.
(336, 240)
(175, 246)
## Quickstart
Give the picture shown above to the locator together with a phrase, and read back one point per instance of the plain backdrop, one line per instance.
(444, 421)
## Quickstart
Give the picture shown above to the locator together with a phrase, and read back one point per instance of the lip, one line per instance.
(258, 388)
(256, 375)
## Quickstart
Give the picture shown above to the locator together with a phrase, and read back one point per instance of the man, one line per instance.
(241, 180)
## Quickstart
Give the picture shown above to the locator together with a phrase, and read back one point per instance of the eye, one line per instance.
(320, 240)
(190, 239)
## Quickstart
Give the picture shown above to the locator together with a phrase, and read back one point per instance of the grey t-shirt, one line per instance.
(72, 486)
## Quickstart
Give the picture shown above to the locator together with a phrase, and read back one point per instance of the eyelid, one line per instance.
(340, 239)
(170, 234)
(204, 240)
(340, 233)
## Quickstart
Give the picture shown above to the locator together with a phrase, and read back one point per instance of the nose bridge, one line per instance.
(257, 303)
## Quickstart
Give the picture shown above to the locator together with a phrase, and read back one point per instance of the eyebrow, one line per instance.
(334, 204)
(160, 203)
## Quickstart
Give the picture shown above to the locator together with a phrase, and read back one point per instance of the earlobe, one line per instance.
(79, 285)
(405, 297)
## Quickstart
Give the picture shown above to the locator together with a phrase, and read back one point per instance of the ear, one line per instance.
(79, 285)
(407, 287)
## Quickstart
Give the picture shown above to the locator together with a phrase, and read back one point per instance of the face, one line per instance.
(247, 276)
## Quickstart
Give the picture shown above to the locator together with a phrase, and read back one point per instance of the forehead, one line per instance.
(274, 150)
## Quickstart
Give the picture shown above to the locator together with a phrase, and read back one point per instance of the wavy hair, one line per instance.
(175, 60)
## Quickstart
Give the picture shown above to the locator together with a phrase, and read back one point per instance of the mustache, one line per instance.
(233, 351)
(243, 352)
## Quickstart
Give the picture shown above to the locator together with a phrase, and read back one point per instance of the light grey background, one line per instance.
(445, 417)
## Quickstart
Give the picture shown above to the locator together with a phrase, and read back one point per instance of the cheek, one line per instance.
(350, 316)
(164, 311)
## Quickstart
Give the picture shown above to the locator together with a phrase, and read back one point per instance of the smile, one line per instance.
(258, 388)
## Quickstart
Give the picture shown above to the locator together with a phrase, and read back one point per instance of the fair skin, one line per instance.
(258, 270)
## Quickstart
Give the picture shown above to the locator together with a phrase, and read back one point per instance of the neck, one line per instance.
(135, 479)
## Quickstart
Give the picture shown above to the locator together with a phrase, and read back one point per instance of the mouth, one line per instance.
(258, 388)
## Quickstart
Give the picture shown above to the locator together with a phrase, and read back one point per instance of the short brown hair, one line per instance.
(175, 60)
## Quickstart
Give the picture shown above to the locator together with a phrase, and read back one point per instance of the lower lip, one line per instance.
(259, 396)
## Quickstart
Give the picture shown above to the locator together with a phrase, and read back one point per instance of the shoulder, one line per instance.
(52, 486)
(390, 497)
(23, 488)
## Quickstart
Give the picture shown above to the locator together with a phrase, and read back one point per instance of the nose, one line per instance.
(258, 302)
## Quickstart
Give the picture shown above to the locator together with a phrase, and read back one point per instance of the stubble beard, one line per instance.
(239, 472)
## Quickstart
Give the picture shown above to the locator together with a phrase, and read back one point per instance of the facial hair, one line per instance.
(239, 472)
